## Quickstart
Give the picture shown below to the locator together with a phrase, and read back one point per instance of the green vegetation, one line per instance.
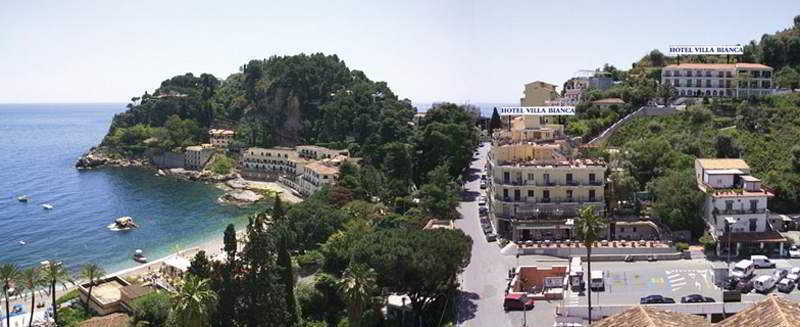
(71, 317)
(152, 309)
(681, 246)
(221, 164)
(68, 296)
(660, 151)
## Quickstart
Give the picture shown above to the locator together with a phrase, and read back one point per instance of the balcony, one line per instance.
(742, 211)
(572, 183)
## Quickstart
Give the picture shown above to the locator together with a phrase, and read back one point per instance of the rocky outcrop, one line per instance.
(240, 197)
(102, 157)
(202, 176)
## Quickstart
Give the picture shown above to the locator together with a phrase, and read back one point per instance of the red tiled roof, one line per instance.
(774, 311)
(766, 237)
(639, 316)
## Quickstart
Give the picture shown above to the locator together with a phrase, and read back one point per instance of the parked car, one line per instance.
(517, 301)
(483, 177)
(656, 299)
(795, 271)
(780, 274)
(483, 185)
(794, 277)
(731, 283)
(483, 210)
(761, 261)
(491, 237)
(745, 285)
(743, 269)
(696, 298)
(794, 251)
(786, 285)
(764, 283)
(482, 200)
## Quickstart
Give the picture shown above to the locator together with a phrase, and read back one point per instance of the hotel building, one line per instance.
(735, 208)
(719, 80)
(220, 138)
(305, 168)
(195, 157)
(537, 186)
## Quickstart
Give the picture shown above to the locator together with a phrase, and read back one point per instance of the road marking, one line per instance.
(676, 289)
(698, 285)
(678, 284)
(676, 280)
(673, 276)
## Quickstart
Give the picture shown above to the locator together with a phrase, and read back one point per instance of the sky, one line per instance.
(427, 51)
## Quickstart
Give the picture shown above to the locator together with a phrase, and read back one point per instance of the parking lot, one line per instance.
(626, 283)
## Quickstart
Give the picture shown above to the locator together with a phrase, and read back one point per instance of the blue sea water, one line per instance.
(39, 144)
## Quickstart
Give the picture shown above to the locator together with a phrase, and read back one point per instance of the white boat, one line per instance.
(22, 243)
(23, 198)
(47, 206)
(138, 256)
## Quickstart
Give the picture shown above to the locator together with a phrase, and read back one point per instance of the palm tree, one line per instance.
(31, 280)
(357, 284)
(92, 273)
(193, 302)
(8, 275)
(589, 228)
(55, 273)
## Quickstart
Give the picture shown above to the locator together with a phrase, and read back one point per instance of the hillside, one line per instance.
(280, 101)
(764, 132)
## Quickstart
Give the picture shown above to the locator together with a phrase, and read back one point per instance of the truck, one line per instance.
(743, 269)
(596, 281)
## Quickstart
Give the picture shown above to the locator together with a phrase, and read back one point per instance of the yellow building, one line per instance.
(536, 93)
(537, 186)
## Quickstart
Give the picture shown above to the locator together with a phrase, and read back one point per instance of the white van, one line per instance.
(576, 273)
(597, 282)
(743, 269)
(761, 261)
(764, 283)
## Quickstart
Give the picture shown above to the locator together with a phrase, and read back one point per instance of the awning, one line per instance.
(177, 262)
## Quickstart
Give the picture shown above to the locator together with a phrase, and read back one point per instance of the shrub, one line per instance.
(309, 259)
(152, 308)
(69, 316)
(681, 246)
(222, 164)
(69, 296)
(709, 244)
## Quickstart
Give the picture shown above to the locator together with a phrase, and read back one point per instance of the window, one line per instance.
(728, 205)
(765, 84)
(689, 73)
(753, 224)
(546, 195)
(667, 73)
(591, 178)
(530, 193)
(708, 83)
(753, 205)
(547, 179)
(634, 229)
(719, 74)
(569, 195)
(689, 83)
(591, 196)
(569, 178)
(530, 176)
(766, 74)
(622, 229)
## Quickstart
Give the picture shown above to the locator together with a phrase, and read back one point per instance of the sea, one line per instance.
(39, 144)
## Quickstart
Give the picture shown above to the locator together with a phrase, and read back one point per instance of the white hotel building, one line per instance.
(719, 80)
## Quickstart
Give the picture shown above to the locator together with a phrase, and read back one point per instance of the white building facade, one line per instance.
(719, 80)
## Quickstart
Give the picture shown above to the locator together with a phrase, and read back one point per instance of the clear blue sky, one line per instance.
(477, 51)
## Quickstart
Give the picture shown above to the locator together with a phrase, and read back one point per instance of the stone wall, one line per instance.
(168, 160)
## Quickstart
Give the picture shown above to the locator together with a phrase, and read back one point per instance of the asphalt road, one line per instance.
(626, 283)
(483, 282)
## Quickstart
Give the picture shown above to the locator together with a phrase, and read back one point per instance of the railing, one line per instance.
(550, 200)
(742, 211)
(528, 182)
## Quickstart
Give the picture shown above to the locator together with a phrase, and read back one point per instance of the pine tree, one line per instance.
(284, 238)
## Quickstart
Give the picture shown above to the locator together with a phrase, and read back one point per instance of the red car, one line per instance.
(517, 301)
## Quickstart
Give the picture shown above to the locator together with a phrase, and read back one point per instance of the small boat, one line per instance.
(22, 243)
(138, 256)
(123, 223)
(47, 206)
(23, 198)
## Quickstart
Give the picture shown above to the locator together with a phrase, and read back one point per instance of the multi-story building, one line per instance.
(305, 168)
(735, 208)
(195, 157)
(317, 174)
(530, 129)
(220, 138)
(719, 80)
(536, 93)
(319, 153)
(271, 163)
(537, 186)
(582, 82)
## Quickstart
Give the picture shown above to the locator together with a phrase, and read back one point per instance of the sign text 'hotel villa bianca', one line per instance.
(706, 50)
(537, 111)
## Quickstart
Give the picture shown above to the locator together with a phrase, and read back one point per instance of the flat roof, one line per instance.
(713, 163)
(322, 168)
(748, 178)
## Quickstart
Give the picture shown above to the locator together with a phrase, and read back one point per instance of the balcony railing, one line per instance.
(742, 211)
(528, 182)
(551, 200)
